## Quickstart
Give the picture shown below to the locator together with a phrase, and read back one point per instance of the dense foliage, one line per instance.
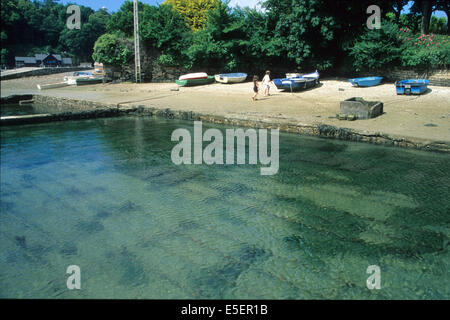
(113, 49)
(195, 12)
(30, 27)
(391, 47)
(377, 48)
(287, 34)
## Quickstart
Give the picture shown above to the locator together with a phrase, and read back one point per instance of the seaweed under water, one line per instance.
(104, 195)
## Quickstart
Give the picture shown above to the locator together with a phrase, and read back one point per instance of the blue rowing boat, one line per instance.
(297, 83)
(365, 82)
(294, 84)
(411, 86)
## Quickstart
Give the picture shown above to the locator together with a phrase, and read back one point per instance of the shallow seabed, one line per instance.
(104, 195)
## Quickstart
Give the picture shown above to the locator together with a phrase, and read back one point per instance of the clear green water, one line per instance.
(104, 195)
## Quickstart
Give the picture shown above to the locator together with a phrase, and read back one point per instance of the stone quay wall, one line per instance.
(42, 72)
(81, 109)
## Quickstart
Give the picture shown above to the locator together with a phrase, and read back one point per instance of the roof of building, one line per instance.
(41, 57)
(26, 59)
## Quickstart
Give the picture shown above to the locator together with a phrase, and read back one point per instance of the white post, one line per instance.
(137, 57)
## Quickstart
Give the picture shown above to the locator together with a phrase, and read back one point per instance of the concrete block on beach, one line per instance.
(360, 108)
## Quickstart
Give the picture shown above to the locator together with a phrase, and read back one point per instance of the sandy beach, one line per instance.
(425, 117)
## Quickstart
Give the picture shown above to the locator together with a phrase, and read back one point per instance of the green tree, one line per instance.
(80, 43)
(122, 20)
(376, 49)
(113, 50)
(438, 25)
(165, 29)
(194, 11)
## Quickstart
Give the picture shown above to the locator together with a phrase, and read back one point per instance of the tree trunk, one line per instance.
(426, 15)
(447, 12)
(398, 11)
(397, 17)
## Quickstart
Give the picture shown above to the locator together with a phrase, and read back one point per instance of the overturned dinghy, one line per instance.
(193, 76)
(230, 77)
(365, 82)
(194, 79)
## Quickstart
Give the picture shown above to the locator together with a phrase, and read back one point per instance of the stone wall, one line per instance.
(67, 109)
(42, 72)
(438, 77)
(126, 72)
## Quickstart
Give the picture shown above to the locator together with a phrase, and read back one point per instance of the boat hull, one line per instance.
(86, 81)
(193, 76)
(72, 80)
(365, 82)
(194, 82)
(295, 84)
(411, 86)
(231, 77)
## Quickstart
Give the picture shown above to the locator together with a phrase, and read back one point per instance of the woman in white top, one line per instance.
(266, 81)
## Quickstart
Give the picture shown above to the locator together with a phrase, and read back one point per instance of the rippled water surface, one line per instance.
(104, 195)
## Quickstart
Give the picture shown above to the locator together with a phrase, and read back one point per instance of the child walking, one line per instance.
(255, 87)
(266, 80)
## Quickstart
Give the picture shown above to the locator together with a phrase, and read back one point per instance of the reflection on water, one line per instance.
(104, 195)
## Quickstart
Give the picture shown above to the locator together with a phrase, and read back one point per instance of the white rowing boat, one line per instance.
(230, 77)
(192, 76)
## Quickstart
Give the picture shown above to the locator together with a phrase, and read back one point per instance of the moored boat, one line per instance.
(230, 77)
(295, 84)
(411, 86)
(193, 76)
(366, 81)
(72, 80)
(90, 80)
(195, 82)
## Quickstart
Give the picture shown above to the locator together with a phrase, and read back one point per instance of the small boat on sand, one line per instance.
(194, 81)
(90, 80)
(193, 76)
(230, 77)
(411, 86)
(365, 82)
(52, 85)
(83, 79)
(295, 84)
